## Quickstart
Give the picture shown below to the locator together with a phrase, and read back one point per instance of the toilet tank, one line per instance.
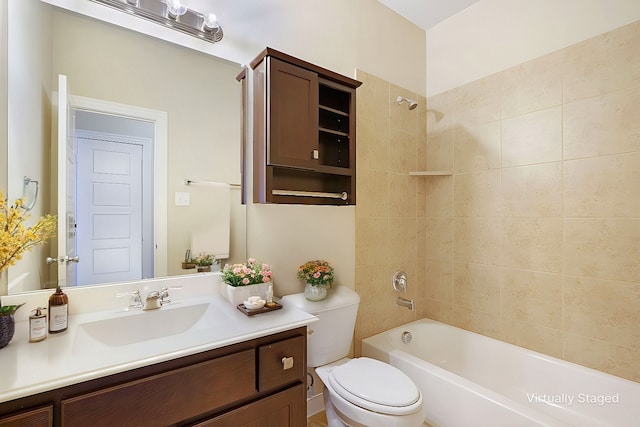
(328, 339)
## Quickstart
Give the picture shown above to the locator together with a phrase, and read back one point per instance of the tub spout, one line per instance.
(405, 303)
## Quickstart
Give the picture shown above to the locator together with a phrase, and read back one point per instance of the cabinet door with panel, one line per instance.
(40, 417)
(292, 139)
(284, 409)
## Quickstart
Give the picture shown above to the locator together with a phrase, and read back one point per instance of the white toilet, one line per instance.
(362, 391)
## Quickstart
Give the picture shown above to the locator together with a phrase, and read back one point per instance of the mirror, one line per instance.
(198, 92)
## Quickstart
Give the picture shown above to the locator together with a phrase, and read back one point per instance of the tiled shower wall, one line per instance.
(535, 239)
(390, 204)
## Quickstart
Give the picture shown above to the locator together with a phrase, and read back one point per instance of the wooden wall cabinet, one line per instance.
(304, 139)
(241, 384)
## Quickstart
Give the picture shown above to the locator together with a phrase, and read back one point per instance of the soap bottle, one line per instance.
(37, 325)
(58, 311)
(269, 295)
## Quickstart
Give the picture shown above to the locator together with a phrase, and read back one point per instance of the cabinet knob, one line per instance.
(287, 363)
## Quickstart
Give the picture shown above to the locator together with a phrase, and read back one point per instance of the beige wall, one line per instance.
(534, 239)
(29, 122)
(390, 214)
(287, 236)
(493, 35)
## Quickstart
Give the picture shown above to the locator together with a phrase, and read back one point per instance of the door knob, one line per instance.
(72, 259)
(51, 260)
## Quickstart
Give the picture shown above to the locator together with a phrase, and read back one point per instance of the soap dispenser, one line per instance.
(37, 325)
(58, 311)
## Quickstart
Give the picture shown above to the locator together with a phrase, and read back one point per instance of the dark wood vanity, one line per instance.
(260, 382)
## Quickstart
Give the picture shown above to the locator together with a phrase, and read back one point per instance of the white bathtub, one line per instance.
(468, 380)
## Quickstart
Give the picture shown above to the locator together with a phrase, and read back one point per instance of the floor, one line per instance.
(320, 420)
(317, 420)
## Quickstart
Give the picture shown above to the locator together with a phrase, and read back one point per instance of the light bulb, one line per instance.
(211, 21)
(175, 8)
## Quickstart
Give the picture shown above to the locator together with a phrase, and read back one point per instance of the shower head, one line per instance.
(412, 104)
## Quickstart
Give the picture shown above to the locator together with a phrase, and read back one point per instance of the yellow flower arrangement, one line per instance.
(15, 237)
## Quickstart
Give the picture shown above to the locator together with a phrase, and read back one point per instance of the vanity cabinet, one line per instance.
(32, 417)
(258, 382)
(304, 132)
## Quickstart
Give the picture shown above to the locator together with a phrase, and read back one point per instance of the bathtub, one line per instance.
(468, 379)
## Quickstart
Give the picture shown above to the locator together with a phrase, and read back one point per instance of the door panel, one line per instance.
(109, 211)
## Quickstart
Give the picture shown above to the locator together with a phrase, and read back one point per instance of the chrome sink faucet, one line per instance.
(156, 299)
(136, 299)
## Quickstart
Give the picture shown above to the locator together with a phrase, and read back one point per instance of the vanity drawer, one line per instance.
(282, 362)
(33, 417)
(166, 398)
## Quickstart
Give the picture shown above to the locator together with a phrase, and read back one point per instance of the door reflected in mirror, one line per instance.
(202, 102)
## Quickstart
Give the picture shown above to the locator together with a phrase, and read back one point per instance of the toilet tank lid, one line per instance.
(338, 296)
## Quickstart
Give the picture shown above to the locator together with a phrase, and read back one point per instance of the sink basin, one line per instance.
(145, 326)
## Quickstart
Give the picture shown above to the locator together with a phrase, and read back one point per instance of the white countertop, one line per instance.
(74, 356)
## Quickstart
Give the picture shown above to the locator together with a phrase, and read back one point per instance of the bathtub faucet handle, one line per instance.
(399, 281)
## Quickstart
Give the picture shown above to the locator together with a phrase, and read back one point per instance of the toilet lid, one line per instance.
(376, 386)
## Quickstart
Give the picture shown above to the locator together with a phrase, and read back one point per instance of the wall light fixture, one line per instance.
(172, 14)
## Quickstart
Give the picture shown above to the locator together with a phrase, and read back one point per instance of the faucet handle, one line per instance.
(136, 300)
(164, 293)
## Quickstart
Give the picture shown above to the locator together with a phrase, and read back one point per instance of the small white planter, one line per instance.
(239, 294)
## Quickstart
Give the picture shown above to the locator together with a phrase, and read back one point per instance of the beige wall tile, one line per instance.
(602, 248)
(373, 99)
(439, 239)
(440, 113)
(402, 247)
(439, 283)
(477, 240)
(532, 191)
(478, 102)
(532, 297)
(373, 147)
(439, 196)
(601, 309)
(402, 196)
(401, 118)
(532, 244)
(533, 336)
(603, 356)
(477, 147)
(603, 187)
(372, 237)
(607, 124)
(477, 194)
(421, 197)
(373, 194)
(477, 287)
(532, 138)
(603, 64)
(440, 152)
(437, 310)
(532, 86)
(421, 237)
(403, 152)
(477, 321)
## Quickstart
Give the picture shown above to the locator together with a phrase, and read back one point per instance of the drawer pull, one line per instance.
(287, 363)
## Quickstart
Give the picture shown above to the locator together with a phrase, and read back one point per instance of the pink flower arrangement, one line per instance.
(317, 272)
(250, 273)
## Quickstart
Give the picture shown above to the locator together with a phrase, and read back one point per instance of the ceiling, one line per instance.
(427, 13)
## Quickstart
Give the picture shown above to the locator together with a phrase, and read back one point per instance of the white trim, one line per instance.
(160, 120)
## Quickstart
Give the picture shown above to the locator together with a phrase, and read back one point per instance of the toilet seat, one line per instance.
(376, 386)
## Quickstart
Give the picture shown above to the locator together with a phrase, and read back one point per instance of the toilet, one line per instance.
(361, 391)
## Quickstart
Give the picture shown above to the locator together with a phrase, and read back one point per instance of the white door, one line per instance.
(67, 258)
(109, 211)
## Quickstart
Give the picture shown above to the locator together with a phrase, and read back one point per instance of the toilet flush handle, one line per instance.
(287, 363)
